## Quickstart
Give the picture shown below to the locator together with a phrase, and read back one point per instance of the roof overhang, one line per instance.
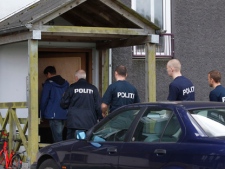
(90, 21)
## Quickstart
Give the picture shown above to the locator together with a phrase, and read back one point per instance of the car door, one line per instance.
(103, 147)
(146, 148)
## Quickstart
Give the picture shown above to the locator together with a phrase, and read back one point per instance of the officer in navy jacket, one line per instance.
(83, 102)
(52, 92)
(119, 93)
(181, 88)
(218, 92)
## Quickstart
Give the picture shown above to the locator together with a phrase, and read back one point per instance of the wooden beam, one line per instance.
(50, 15)
(91, 31)
(83, 35)
(17, 37)
(132, 41)
(85, 17)
(13, 105)
(102, 16)
(130, 14)
(105, 68)
(150, 72)
(21, 131)
(33, 100)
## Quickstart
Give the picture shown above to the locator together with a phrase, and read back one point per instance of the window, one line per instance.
(158, 12)
(115, 129)
(212, 121)
(157, 126)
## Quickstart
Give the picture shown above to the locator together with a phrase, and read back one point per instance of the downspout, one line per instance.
(110, 66)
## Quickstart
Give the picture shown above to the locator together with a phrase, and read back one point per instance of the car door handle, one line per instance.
(112, 150)
(160, 151)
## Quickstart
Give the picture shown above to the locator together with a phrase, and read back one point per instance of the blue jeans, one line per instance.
(57, 127)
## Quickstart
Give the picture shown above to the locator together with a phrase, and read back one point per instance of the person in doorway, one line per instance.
(119, 93)
(218, 92)
(53, 89)
(181, 88)
(83, 102)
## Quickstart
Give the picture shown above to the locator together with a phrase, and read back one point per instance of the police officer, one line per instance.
(181, 88)
(119, 93)
(83, 102)
(218, 92)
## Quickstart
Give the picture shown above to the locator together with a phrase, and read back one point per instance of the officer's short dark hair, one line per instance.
(50, 69)
(121, 70)
(215, 75)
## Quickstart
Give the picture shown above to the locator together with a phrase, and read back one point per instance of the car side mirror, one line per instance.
(80, 135)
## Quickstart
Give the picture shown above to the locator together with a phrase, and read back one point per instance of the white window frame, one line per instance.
(140, 53)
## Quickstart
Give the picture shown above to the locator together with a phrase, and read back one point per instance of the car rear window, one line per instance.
(212, 121)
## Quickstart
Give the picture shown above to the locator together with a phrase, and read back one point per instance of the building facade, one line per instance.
(198, 29)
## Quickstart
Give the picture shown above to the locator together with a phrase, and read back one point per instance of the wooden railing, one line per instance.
(17, 127)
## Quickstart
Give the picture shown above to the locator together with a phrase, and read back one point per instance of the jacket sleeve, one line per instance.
(65, 100)
(173, 93)
(97, 99)
(136, 99)
(45, 97)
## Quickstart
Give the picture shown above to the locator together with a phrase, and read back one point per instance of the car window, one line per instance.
(115, 129)
(157, 126)
(212, 121)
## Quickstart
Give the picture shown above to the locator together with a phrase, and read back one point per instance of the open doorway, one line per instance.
(66, 62)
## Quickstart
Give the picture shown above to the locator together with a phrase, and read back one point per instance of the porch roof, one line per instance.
(108, 23)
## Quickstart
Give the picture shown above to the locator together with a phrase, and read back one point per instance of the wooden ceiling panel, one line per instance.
(95, 13)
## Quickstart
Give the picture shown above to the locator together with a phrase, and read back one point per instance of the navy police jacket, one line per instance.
(83, 102)
(52, 92)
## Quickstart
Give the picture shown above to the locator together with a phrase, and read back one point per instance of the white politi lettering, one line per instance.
(223, 99)
(125, 95)
(188, 90)
(80, 90)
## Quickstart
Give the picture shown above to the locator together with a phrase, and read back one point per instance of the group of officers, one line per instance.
(80, 106)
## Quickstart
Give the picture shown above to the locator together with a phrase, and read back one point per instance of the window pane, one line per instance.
(212, 121)
(144, 8)
(150, 9)
(172, 132)
(158, 11)
(152, 125)
(115, 129)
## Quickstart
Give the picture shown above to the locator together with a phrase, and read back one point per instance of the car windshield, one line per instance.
(212, 121)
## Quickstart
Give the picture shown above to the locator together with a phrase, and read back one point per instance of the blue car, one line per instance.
(161, 135)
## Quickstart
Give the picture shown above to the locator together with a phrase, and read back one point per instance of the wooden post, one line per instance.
(12, 128)
(105, 70)
(150, 72)
(33, 138)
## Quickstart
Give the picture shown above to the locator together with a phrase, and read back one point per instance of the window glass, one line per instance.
(158, 12)
(150, 9)
(157, 125)
(212, 121)
(115, 129)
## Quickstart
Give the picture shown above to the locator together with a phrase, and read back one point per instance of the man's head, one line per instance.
(121, 72)
(80, 74)
(214, 78)
(49, 71)
(173, 67)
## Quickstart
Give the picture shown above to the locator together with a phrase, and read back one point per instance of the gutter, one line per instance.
(13, 29)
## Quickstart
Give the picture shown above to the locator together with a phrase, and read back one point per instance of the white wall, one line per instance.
(12, 6)
(13, 72)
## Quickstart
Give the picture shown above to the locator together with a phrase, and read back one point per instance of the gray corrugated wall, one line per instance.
(199, 30)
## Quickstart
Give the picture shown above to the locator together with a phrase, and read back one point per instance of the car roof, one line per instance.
(185, 104)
